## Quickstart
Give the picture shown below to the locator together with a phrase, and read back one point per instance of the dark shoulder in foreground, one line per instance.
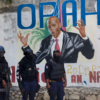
(48, 63)
(22, 60)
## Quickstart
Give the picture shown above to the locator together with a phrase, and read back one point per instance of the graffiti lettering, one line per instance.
(92, 76)
(81, 69)
(69, 69)
(75, 71)
(41, 16)
(76, 77)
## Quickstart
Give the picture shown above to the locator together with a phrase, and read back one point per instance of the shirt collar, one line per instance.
(60, 37)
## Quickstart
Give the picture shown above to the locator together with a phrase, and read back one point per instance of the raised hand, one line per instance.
(48, 86)
(23, 39)
(81, 28)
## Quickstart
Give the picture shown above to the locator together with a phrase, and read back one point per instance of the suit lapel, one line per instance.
(66, 39)
(67, 44)
(49, 43)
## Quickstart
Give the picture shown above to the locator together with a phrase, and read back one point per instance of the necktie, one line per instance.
(57, 46)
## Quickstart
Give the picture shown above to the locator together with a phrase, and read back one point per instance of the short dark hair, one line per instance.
(56, 51)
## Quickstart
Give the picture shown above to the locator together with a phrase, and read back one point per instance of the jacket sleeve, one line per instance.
(36, 73)
(84, 46)
(87, 50)
(25, 48)
(64, 69)
(42, 52)
(38, 55)
(9, 76)
(47, 70)
(19, 69)
(8, 69)
(9, 72)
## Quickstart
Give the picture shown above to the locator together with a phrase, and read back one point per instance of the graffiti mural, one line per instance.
(79, 39)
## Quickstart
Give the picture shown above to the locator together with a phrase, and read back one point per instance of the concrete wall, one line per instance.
(70, 94)
(4, 7)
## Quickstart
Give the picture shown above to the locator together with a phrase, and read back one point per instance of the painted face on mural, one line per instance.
(54, 26)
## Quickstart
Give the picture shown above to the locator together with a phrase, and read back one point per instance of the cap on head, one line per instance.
(2, 49)
(28, 51)
(56, 51)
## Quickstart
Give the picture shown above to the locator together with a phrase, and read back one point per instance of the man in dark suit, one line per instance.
(69, 44)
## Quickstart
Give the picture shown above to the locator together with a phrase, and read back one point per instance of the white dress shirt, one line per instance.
(60, 42)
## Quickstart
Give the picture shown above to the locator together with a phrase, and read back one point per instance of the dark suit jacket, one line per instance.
(72, 45)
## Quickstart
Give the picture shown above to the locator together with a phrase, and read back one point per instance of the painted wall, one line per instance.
(83, 67)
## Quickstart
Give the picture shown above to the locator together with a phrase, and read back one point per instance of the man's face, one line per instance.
(57, 54)
(54, 26)
(56, 57)
(1, 54)
(31, 53)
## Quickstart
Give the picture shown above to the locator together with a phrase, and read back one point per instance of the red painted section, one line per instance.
(98, 76)
(43, 78)
(13, 74)
(79, 78)
(92, 76)
(73, 79)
